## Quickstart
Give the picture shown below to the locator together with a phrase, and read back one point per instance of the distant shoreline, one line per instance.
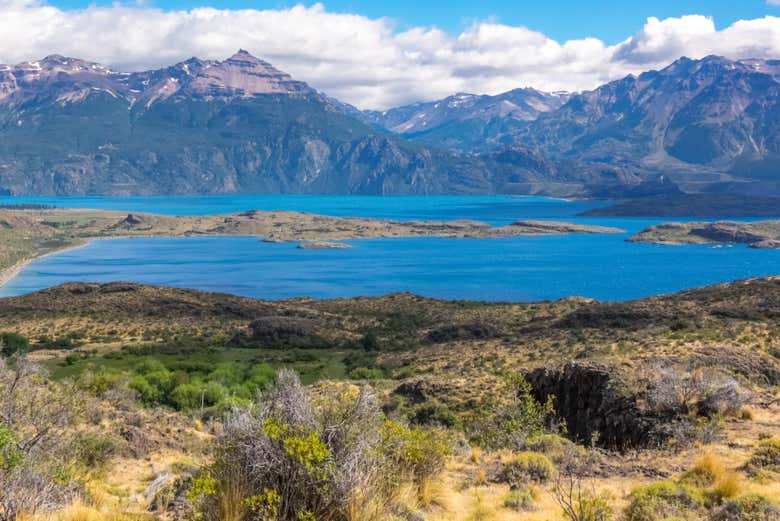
(7, 274)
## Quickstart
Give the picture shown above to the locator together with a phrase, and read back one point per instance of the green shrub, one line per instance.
(13, 343)
(197, 394)
(370, 342)
(554, 446)
(416, 452)
(752, 507)
(592, 509)
(100, 381)
(663, 500)
(146, 392)
(94, 450)
(10, 455)
(525, 467)
(767, 455)
(510, 423)
(520, 501)
(431, 414)
(364, 373)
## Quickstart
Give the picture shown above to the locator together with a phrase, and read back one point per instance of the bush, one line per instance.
(577, 502)
(34, 415)
(520, 501)
(93, 450)
(438, 415)
(591, 509)
(195, 384)
(699, 391)
(323, 454)
(767, 455)
(726, 487)
(554, 446)
(751, 507)
(364, 373)
(13, 343)
(525, 467)
(662, 500)
(511, 423)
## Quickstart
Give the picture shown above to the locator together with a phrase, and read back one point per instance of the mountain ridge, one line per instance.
(69, 126)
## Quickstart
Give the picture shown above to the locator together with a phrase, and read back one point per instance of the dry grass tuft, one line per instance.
(729, 485)
(476, 455)
(709, 464)
(480, 477)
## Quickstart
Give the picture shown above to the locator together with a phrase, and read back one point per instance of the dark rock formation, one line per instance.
(588, 397)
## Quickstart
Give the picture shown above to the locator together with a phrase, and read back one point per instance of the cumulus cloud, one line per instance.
(367, 61)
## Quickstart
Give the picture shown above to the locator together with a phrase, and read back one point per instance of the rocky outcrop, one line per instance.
(323, 245)
(589, 398)
(131, 222)
(759, 234)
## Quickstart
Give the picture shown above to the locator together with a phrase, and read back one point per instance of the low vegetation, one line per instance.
(130, 402)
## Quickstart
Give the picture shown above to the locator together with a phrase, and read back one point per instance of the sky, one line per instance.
(378, 54)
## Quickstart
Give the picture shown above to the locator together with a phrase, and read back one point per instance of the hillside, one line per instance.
(467, 122)
(150, 385)
(709, 123)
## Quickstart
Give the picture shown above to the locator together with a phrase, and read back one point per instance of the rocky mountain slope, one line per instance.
(68, 126)
(72, 127)
(467, 122)
(709, 124)
(706, 125)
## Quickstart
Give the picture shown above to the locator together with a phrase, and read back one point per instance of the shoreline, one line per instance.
(7, 274)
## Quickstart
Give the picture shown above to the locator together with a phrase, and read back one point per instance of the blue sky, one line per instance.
(377, 54)
(609, 20)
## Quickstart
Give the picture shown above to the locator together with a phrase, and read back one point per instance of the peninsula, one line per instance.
(29, 233)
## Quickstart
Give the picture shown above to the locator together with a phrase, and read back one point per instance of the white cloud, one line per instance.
(367, 61)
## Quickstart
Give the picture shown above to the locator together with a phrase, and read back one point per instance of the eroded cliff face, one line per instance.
(589, 398)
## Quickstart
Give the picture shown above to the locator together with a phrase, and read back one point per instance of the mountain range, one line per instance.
(71, 127)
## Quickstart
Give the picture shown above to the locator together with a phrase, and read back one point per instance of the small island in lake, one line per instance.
(323, 245)
(760, 234)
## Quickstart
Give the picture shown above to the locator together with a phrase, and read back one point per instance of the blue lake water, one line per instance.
(515, 269)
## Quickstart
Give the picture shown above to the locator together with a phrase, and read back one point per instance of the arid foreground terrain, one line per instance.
(122, 401)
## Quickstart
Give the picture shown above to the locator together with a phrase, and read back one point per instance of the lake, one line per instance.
(514, 269)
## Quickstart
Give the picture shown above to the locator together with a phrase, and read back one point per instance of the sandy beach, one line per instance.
(10, 272)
